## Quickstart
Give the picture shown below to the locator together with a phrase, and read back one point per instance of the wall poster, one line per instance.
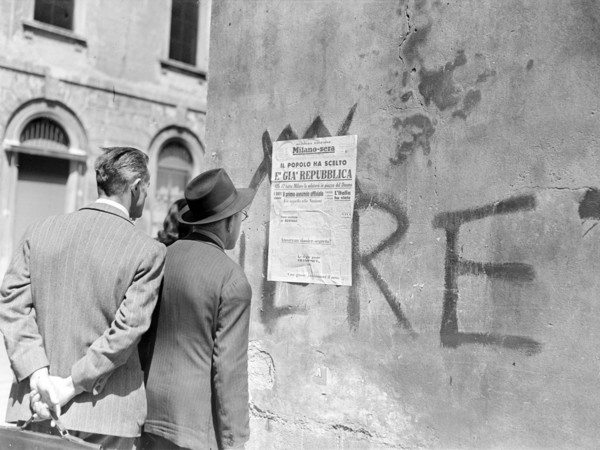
(312, 201)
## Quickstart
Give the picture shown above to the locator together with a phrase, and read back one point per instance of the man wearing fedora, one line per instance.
(198, 379)
(77, 297)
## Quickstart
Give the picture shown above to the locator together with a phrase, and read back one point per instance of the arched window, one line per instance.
(41, 181)
(174, 171)
(44, 133)
(175, 155)
(45, 150)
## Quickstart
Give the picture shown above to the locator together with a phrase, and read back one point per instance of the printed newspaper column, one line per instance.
(312, 201)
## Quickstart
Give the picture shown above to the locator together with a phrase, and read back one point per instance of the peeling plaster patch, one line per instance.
(530, 64)
(438, 85)
(435, 86)
(261, 369)
(418, 129)
(469, 102)
(589, 207)
(485, 75)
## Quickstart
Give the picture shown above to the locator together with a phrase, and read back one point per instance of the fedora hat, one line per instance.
(211, 196)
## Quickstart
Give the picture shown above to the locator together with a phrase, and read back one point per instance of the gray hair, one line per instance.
(118, 167)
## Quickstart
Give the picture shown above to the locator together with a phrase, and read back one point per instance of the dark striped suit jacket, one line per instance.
(198, 380)
(77, 297)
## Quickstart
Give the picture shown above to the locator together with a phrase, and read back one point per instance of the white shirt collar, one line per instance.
(117, 205)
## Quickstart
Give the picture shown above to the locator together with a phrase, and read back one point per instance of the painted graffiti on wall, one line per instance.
(366, 259)
(589, 207)
(455, 266)
(270, 313)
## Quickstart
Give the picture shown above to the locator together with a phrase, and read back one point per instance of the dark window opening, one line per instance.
(184, 31)
(41, 190)
(44, 133)
(55, 12)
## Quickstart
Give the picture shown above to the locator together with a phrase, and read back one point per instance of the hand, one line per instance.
(44, 397)
(39, 410)
(65, 389)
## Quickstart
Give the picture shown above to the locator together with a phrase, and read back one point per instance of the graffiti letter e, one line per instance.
(455, 266)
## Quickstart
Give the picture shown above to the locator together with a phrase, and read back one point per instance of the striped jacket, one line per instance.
(77, 297)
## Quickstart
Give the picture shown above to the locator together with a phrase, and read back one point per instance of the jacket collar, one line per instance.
(108, 208)
(206, 236)
(117, 205)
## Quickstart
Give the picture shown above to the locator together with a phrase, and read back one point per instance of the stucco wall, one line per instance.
(472, 320)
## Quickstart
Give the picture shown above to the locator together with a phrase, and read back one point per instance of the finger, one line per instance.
(41, 411)
(52, 397)
(53, 394)
(36, 407)
(45, 412)
(33, 402)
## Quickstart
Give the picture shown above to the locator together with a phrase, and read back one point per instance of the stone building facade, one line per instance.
(79, 75)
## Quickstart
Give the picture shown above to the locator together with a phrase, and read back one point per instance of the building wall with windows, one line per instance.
(78, 75)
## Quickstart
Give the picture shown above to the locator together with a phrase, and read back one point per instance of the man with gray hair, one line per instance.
(77, 296)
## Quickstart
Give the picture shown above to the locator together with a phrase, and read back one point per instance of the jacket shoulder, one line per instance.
(150, 244)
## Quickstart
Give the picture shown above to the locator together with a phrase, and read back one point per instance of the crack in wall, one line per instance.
(409, 30)
(348, 429)
(313, 426)
(558, 188)
(260, 413)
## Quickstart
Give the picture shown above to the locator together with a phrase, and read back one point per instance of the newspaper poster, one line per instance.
(312, 201)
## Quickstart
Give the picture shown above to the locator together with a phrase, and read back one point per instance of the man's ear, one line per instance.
(135, 186)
